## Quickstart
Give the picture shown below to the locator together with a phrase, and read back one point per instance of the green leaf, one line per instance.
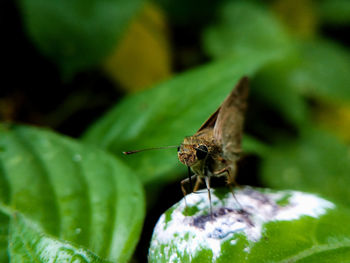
(271, 87)
(77, 35)
(266, 226)
(75, 193)
(167, 113)
(315, 162)
(29, 244)
(335, 12)
(245, 28)
(4, 226)
(323, 71)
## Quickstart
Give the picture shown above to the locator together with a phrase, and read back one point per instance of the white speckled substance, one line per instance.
(190, 234)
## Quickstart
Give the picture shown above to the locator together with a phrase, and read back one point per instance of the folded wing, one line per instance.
(228, 126)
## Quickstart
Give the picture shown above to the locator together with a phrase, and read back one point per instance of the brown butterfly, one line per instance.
(215, 148)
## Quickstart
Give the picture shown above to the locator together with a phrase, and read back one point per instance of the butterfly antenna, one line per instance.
(148, 149)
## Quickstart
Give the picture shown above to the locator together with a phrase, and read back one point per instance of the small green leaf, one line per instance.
(167, 113)
(315, 162)
(77, 35)
(76, 193)
(29, 244)
(266, 226)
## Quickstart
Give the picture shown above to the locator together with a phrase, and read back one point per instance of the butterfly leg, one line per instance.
(207, 183)
(196, 186)
(230, 181)
(183, 182)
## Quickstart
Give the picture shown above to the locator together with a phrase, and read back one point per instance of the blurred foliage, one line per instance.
(335, 118)
(137, 66)
(334, 11)
(299, 16)
(74, 34)
(315, 162)
(296, 54)
(194, 13)
(245, 28)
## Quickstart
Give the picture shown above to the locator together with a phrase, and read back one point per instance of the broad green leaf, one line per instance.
(76, 193)
(167, 113)
(27, 243)
(245, 28)
(77, 34)
(315, 162)
(266, 226)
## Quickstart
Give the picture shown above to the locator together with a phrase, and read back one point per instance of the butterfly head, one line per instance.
(191, 154)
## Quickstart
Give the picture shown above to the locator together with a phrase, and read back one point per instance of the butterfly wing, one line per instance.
(210, 122)
(228, 126)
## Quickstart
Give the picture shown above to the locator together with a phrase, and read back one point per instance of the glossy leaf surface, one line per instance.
(74, 193)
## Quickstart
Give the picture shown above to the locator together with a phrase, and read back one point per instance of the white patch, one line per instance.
(190, 234)
(233, 242)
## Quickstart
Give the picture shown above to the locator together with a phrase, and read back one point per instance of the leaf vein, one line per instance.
(315, 249)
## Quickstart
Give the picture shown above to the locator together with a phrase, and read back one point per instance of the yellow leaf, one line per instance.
(143, 56)
(335, 117)
(298, 15)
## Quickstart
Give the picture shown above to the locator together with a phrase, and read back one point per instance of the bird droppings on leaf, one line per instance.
(185, 236)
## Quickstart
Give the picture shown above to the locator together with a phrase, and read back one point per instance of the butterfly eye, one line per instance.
(201, 152)
(178, 148)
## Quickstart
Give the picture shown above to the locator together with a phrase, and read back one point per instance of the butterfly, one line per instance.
(216, 147)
